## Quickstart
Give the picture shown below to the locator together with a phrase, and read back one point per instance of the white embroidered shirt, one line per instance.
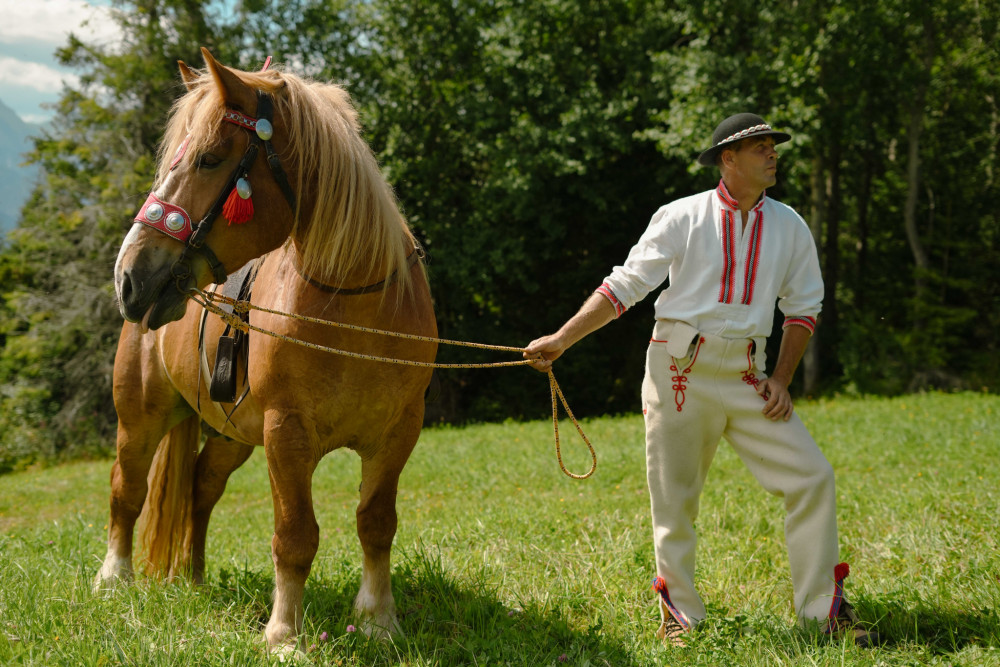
(723, 279)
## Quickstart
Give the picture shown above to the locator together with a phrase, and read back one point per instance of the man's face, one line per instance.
(755, 162)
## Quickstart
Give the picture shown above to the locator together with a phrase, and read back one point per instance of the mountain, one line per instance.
(16, 179)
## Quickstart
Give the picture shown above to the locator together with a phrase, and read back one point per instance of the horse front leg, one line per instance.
(291, 460)
(376, 519)
(128, 492)
(148, 407)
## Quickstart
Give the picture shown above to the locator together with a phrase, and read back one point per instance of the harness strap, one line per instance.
(239, 288)
(181, 270)
(265, 108)
(415, 256)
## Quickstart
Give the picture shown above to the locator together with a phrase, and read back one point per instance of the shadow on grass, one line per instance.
(941, 630)
(445, 620)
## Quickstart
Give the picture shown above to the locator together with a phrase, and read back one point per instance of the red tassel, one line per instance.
(236, 209)
(660, 585)
(841, 571)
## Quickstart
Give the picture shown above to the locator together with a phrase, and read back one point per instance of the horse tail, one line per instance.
(165, 525)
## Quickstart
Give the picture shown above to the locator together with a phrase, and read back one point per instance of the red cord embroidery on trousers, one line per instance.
(748, 375)
(680, 377)
(840, 573)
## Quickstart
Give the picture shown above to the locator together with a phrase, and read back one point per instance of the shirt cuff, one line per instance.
(605, 290)
(802, 321)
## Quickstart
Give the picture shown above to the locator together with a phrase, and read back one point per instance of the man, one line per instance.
(730, 254)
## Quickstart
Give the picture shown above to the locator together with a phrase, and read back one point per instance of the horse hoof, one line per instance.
(287, 653)
(105, 586)
(382, 629)
(113, 572)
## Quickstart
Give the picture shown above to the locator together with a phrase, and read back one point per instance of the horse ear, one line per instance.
(187, 76)
(228, 83)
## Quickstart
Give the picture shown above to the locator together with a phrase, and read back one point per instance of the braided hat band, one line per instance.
(737, 127)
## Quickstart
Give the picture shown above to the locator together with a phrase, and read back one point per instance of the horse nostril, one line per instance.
(125, 291)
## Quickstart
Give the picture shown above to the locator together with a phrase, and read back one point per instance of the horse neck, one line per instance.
(349, 211)
(359, 276)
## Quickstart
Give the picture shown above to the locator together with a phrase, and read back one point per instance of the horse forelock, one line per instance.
(355, 230)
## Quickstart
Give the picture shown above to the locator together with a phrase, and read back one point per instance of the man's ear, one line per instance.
(727, 155)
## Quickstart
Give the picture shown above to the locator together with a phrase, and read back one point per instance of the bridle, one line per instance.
(175, 222)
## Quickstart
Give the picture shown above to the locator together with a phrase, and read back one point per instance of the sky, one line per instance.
(30, 33)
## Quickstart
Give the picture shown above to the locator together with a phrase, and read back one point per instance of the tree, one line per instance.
(59, 319)
(514, 147)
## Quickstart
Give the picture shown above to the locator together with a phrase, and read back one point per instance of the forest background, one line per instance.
(529, 142)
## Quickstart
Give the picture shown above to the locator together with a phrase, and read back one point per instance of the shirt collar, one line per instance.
(730, 202)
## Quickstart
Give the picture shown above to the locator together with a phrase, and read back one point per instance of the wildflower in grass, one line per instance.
(323, 636)
(563, 658)
(351, 628)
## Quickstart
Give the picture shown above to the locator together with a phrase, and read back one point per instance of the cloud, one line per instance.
(36, 76)
(30, 33)
(48, 21)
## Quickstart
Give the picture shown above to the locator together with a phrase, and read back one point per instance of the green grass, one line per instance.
(501, 559)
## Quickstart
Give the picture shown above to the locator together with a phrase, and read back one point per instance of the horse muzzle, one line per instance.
(147, 290)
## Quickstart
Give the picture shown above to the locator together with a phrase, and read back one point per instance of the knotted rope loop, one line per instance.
(207, 300)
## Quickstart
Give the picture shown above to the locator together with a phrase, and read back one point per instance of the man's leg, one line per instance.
(786, 460)
(683, 428)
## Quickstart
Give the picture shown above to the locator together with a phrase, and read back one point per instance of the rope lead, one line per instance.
(206, 300)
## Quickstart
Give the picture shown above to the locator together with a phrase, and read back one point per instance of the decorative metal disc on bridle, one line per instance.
(243, 188)
(154, 212)
(264, 129)
(175, 222)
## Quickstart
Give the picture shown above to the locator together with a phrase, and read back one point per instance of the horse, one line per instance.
(329, 242)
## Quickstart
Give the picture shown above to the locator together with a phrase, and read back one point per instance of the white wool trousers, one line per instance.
(690, 403)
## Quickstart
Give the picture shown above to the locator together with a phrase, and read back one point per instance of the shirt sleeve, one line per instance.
(646, 267)
(801, 295)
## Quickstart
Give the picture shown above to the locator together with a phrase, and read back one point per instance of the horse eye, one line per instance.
(207, 161)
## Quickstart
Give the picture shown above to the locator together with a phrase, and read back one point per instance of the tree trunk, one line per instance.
(912, 187)
(863, 206)
(811, 359)
(830, 333)
(915, 127)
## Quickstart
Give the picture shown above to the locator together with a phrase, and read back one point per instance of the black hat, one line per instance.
(737, 127)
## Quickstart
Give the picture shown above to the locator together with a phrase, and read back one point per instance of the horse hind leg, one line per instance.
(376, 522)
(216, 462)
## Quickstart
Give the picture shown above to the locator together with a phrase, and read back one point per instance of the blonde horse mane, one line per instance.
(355, 226)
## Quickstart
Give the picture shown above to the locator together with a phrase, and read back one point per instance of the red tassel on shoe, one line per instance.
(841, 571)
(237, 210)
(660, 585)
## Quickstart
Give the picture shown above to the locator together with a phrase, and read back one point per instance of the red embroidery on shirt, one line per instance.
(724, 195)
(680, 377)
(804, 320)
(727, 288)
(753, 259)
(728, 257)
(606, 291)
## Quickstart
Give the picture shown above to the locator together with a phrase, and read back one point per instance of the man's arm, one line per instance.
(595, 312)
(794, 340)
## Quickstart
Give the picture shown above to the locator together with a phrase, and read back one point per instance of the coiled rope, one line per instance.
(207, 300)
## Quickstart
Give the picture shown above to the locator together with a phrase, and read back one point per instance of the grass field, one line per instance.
(502, 560)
